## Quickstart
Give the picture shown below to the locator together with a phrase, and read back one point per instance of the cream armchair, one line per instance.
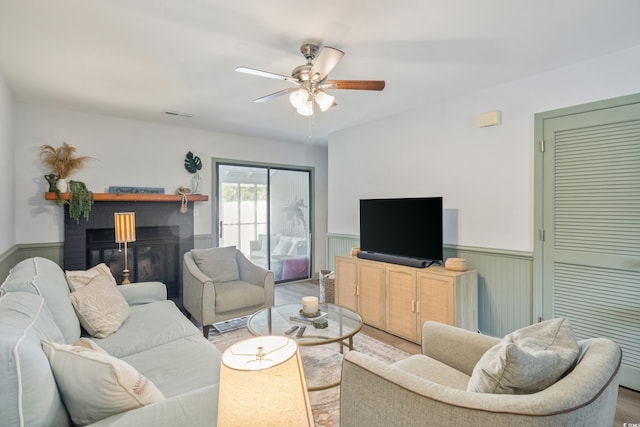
(221, 284)
(430, 389)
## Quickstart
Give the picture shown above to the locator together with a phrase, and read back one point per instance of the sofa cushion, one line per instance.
(178, 366)
(30, 396)
(80, 278)
(95, 385)
(527, 360)
(44, 277)
(237, 295)
(148, 326)
(434, 371)
(219, 264)
(101, 308)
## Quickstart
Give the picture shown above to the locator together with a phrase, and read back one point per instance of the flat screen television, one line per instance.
(402, 228)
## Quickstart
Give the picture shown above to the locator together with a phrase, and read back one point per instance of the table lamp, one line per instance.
(262, 384)
(125, 226)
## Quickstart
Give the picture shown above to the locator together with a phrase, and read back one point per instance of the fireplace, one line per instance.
(163, 235)
(152, 257)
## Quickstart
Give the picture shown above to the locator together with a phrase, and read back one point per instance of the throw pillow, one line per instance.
(95, 385)
(89, 345)
(527, 360)
(100, 307)
(219, 264)
(283, 246)
(80, 278)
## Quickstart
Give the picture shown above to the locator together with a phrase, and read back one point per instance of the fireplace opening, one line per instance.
(154, 256)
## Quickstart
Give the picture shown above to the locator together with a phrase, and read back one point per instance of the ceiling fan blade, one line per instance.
(354, 84)
(327, 59)
(275, 95)
(268, 74)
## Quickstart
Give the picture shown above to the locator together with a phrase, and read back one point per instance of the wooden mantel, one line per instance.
(133, 197)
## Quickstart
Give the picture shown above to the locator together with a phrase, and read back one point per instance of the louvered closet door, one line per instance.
(591, 219)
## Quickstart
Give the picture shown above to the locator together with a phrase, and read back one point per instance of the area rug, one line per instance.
(322, 365)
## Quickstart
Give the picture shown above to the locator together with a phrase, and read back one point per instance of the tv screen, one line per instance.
(406, 227)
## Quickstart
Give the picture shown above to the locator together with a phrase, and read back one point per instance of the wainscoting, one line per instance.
(55, 252)
(505, 282)
(505, 278)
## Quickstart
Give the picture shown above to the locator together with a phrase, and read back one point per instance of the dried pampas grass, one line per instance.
(62, 160)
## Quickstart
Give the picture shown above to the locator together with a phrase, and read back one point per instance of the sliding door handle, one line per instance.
(220, 231)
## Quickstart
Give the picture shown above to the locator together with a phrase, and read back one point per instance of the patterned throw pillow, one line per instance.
(95, 385)
(100, 307)
(80, 278)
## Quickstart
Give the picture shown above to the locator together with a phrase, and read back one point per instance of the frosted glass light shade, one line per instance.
(324, 100)
(262, 384)
(125, 226)
(298, 98)
(306, 109)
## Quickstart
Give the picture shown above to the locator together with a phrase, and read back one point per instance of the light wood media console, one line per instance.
(399, 299)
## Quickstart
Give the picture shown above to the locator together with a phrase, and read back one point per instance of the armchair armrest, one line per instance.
(252, 273)
(143, 292)
(443, 343)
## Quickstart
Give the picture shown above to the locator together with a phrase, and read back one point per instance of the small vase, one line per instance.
(62, 185)
(52, 180)
(195, 183)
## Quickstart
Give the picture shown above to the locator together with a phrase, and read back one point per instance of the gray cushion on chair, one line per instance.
(219, 264)
(237, 294)
(527, 360)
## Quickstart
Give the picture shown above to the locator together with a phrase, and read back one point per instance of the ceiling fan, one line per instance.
(311, 82)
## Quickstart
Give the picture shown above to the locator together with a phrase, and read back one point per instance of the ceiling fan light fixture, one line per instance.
(324, 100)
(306, 109)
(299, 97)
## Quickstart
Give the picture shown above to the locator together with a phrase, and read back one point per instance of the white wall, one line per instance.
(484, 174)
(7, 180)
(143, 154)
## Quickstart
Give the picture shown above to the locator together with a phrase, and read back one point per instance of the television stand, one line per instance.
(399, 299)
(396, 259)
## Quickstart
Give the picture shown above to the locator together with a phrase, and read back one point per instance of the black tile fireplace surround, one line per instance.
(163, 235)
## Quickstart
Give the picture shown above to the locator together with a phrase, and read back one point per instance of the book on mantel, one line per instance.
(299, 317)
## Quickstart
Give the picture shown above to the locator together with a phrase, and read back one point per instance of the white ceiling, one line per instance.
(140, 58)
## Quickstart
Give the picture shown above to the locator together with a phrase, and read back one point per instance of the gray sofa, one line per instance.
(430, 389)
(156, 339)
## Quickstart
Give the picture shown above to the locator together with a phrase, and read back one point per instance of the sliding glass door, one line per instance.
(265, 212)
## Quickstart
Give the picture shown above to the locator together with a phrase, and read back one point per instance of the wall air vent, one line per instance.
(177, 113)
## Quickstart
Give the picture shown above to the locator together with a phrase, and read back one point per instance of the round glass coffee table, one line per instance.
(342, 325)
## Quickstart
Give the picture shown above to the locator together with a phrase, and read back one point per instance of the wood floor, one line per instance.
(627, 409)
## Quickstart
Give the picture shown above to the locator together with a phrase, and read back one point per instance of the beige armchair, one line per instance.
(221, 284)
(430, 389)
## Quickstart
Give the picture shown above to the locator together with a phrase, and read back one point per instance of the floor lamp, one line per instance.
(262, 384)
(125, 226)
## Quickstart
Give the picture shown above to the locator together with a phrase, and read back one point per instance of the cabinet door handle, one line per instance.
(417, 307)
(413, 306)
(358, 290)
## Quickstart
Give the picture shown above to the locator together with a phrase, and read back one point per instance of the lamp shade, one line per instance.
(125, 226)
(324, 100)
(299, 97)
(262, 384)
(306, 109)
